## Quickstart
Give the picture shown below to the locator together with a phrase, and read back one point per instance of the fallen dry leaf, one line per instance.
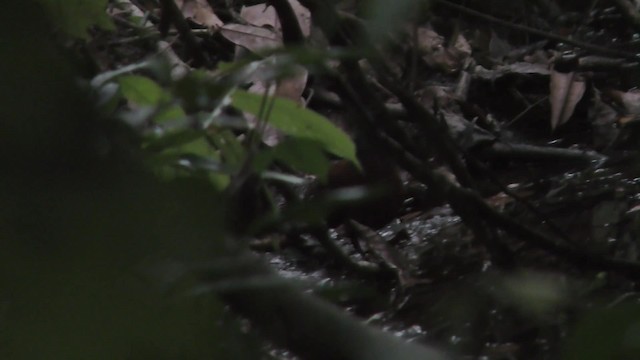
(253, 38)
(199, 12)
(629, 100)
(462, 45)
(566, 90)
(264, 33)
(260, 15)
(292, 87)
(429, 40)
(303, 15)
(263, 15)
(432, 47)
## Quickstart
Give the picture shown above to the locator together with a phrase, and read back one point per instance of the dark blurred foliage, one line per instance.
(92, 247)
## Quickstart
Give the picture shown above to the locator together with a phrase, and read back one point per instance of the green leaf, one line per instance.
(230, 147)
(191, 146)
(296, 121)
(198, 147)
(169, 140)
(172, 112)
(304, 155)
(200, 91)
(75, 17)
(142, 90)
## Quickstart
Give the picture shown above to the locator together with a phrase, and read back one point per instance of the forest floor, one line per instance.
(540, 103)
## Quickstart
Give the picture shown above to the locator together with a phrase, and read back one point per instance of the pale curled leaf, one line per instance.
(566, 90)
(253, 38)
(260, 15)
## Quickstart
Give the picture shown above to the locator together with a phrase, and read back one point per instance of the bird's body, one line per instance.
(380, 175)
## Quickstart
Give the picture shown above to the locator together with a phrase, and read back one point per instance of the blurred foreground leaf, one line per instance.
(75, 17)
(611, 333)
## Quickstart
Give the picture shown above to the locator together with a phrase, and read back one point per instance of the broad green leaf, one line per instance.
(209, 165)
(198, 147)
(220, 181)
(296, 121)
(172, 112)
(303, 155)
(262, 160)
(76, 17)
(142, 90)
(199, 91)
(171, 140)
(191, 150)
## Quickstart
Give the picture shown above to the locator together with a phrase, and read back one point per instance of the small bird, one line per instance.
(380, 175)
